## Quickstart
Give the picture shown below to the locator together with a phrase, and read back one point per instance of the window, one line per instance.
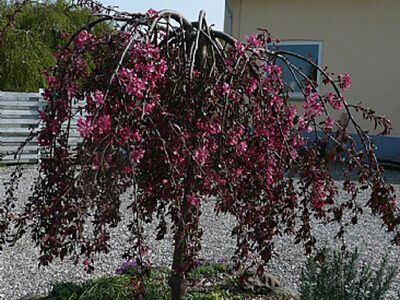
(309, 49)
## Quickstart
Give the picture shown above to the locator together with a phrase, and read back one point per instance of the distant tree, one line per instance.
(30, 34)
(176, 114)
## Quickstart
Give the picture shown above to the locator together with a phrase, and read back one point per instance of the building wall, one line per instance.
(360, 37)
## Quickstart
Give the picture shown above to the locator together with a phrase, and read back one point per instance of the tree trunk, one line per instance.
(180, 259)
(177, 279)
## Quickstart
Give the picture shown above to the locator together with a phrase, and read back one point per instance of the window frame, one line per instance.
(298, 95)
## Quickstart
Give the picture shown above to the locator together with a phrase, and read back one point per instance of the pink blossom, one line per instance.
(330, 97)
(51, 81)
(148, 108)
(215, 128)
(193, 200)
(270, 173)
(336, 102)
(226, 89)
(127, 170)
(124, 134)
(276, 101)
(240, 48)
(291, 112)
(303, 126)
(134, 85)
(152, 13)
(82, 38)
(211, 128)
(344, 81)
(254, 41)
(136, 155)
(137, 136)
(308, 90)
(241, 148)
(251, 87)
(312, 106)
(80, 65)
(150, 68)
(201, 155)
(145, 50)
(235, 136)
(238, 173)
(85, 127)
(162, 69)
(308, 129)
(103, 124)
(196, 74)
(328, 124)
(294, 154)
(273, 70)
(98, 98)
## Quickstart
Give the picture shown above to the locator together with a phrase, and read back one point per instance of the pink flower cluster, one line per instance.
(85, 127)
(344, 81)
(254, 41)
(201, 155)
(82, 38)
(90, 125)
(335, 101)
(193, 200)
(312, 106)
(146, 73)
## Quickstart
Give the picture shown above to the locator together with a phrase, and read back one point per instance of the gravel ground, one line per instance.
(20, 276)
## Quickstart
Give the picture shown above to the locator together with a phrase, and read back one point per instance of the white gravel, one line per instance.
(20, 275)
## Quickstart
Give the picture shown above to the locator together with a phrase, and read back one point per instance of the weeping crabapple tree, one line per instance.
(177, 114)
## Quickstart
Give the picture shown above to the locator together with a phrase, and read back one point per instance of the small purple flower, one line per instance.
(209, 261)
(126, 266)
(221, 260)
(197, 262)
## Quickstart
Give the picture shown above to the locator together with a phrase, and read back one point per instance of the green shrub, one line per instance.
(334, 276)
(207, 270)
(108, 288)
(102, 288)
(156, 285)
(65, 291)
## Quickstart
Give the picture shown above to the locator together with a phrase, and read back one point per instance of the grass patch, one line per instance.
(208, 281)
(104, 288)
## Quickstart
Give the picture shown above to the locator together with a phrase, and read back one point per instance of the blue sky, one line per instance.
(189, 8)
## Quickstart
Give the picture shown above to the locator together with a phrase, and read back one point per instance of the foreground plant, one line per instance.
(335, 276)
(207, 281)
(177, 114)
(104, 288)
